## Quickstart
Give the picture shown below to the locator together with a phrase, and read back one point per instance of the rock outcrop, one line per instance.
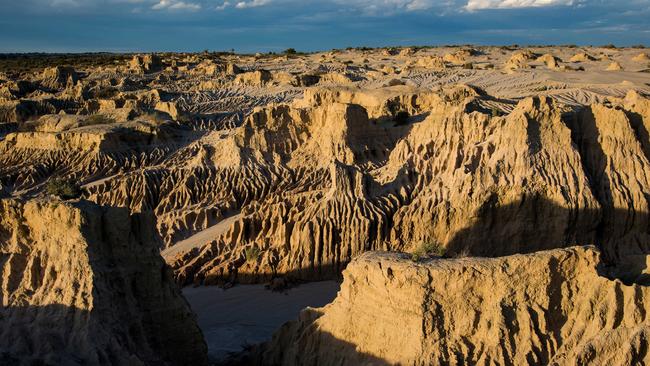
(551, 61)
(386, 152)
(242, 169)
(145, 63)
(519, 60)
(541, 177)
(582, 57)
(614, 66)
(546, 308)
(24, 110)
(641, 57)
(59, 77)
(85, 285)
(254, 78)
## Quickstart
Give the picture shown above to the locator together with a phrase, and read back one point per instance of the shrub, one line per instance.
(63, 188)
(252, 254)
(401, 118)
(290, 51)
(426, 249)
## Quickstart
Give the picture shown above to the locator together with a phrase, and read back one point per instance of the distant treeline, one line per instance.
(28, 62)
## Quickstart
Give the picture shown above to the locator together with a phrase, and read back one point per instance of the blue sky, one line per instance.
(308, 25)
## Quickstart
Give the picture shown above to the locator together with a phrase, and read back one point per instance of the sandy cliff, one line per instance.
(241, 168)
(257, 173)
(330, 183)
(85, 285)
(550, 307)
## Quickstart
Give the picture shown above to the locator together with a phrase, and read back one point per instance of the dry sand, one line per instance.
(200, 238)
(248, 314)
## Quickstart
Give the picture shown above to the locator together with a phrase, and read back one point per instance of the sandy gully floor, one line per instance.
(247, 314)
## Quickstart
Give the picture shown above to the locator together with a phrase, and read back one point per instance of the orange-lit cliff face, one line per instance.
(242, 169)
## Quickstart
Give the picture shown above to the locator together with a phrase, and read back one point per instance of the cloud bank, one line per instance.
(372, 7)
(274, 25)
(251, 4)
(514, 4)
(176, 5)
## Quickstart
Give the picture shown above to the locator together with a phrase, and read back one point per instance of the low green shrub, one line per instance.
(63, 188)
(252, 254)
(427, 249)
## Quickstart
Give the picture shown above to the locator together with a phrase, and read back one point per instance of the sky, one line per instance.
(249, 26)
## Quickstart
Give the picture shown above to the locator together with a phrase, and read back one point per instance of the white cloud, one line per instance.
(252, 4)
(57, 3)
(223, 6)
(363, 7)
(419, 5)
(512, 4)
(387, 7)
(176, 5)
